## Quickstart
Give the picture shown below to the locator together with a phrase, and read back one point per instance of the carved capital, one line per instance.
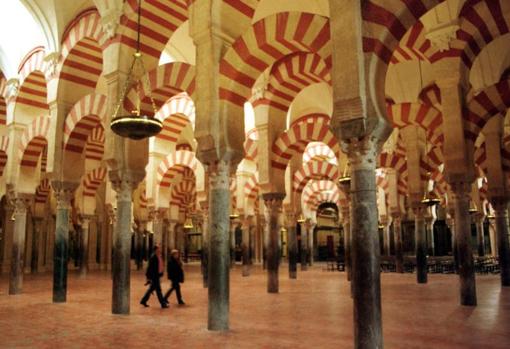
(11, 88)
(64, 193)
(52, 60)
(110, 21)
(362, 153)
(219, 175)
(442, 36)
(124, 183)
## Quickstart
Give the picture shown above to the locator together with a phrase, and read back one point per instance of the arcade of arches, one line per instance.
(268, 108)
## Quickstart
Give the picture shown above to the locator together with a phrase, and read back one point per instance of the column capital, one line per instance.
(273, 198)
(125, 182)
(362, 153)
(64, 192)
(219, 174)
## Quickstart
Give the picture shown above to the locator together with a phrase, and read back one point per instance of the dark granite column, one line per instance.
(304, 246)
(123, 184)
(219, 247)
(36, 244)
(346, 222)
(420, 239)
(365, 250)
(273, 208)
(18, 245)
(461, 201)
(480, 234)
(84, 251)
(500, 206)
(397, 234)
(292, 250)
(429, 223)
(245, 247)
(64, 192)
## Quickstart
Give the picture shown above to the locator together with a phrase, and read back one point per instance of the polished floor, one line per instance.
(314, 311)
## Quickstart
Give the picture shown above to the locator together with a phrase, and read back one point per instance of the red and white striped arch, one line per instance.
(317, 192)
(251, 144)
(42, 191)
(314, 170)
(86, 115)
(33, 141)
(94, 148)
(399, 164)
(425, 116)
(3, 104)
(292, 74)
(32, 80)
(319, 151)
(184, 195)
(82, 54)
(297, 137)
(177, 113)
(491, 101)
(159, 20)
(93, 180)
(179, 159)
(4, 144)
(165, 81)
(481, 22)
(264, 44)
(413, 46)
(251, 190)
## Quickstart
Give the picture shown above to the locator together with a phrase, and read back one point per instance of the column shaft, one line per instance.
(36, 242)
(122, 247)
(84, 251)
(420, 244)
(273, 206)
(245, 247)
(463, 241)
(18, 247)
(219, 247)
(480, 238)
(292, 249)
(205, 250)
(501, 218)
(304, 246)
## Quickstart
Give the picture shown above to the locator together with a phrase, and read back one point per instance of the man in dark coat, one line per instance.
(154, 272)
(175, 275)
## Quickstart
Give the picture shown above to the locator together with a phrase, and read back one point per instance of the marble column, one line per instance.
(93, 235)
(397, 235)
(311, 244)
(273, 207)
(29, 244)
(64, 192)
(365, 250)
(139, 248)
(450, 223)
(500, 206)
(205, 247)
(252, 229)
(429, 223)
(245, 246)
(232, 241)
(50, 242)
(480, 234)
(41, 229)
(492, 236)
(121, 270)
(157, 226)
(265, 242)
(304, 246)
(420, 239)
(84, 251)
(37, 240)
(18, 245)
(461, 201)
(8, 234)
(171, 235)
(292, 250)
(346, 222)
(386, 237)
(219, 247)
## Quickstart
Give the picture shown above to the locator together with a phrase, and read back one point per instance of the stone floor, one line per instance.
(314, 311)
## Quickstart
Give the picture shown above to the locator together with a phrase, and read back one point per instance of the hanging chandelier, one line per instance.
(345, 179)
(429, 199)
(188, 223)
(301, 219)
(136, 125)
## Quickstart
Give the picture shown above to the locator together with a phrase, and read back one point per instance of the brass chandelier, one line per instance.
(136, 125)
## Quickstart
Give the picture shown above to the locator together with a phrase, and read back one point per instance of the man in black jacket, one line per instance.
(154, 272)
(175, 275)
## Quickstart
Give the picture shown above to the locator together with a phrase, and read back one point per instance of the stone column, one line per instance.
(500, 206)
(265, 240)
(273, 207)
(311, 245)
(64, 192)
(365, 250)
(386, 236)
(246, 246)
(397, 234)
(8, 235)
(219, 247)
(36, 244)
(205, 246)
(93, 235)
(292, 251)
(480, 235)
(84, 251)
(171, 235)
(29, 244)
(139, 250)
(492, 236)
(43, 236)
(232, 241)
(304, 246)
(50, 242)
(252, 229)
(461, 201)
(157, 225)
(124, 185)
(18, 245)
(346, 222)
(429, 223)
(420, 242)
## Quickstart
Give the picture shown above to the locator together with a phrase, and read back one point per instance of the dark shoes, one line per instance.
(144, 304)
(164, 305)
(182, 303)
